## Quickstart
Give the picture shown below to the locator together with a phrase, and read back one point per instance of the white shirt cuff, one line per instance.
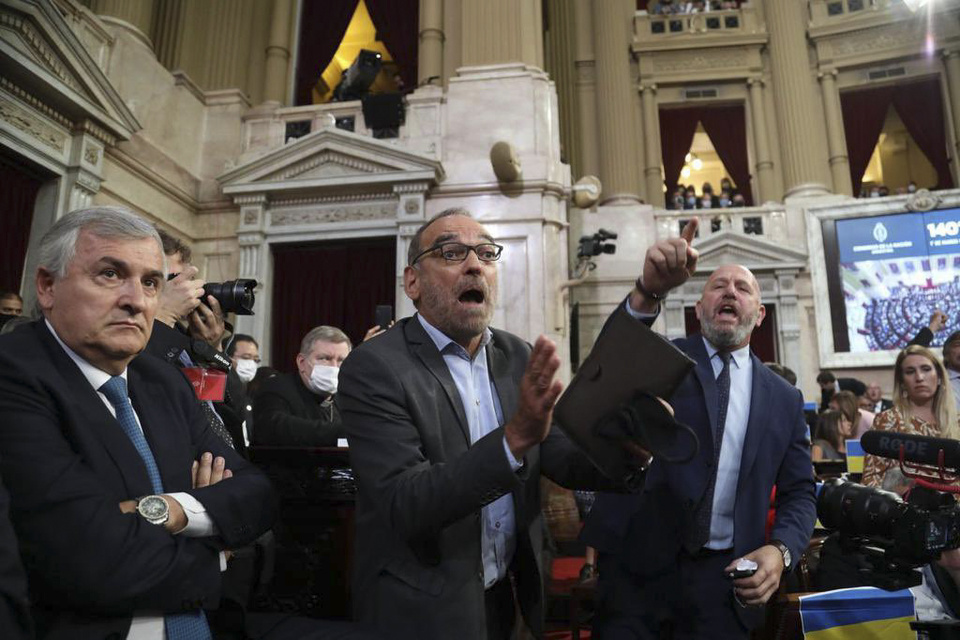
(514, 464)
(638, 315)
(199, 524)
(223, 562)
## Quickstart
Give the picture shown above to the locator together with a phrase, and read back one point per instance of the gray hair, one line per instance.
(414, 250)
(59, 245)
(323, 333)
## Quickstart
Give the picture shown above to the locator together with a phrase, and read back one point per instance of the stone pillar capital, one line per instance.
(830, 73)
(643, 88)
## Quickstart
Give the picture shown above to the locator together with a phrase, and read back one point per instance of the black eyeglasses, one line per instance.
(458, 252)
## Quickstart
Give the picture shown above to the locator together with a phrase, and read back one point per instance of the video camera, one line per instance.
(596, 244)
(896, 537)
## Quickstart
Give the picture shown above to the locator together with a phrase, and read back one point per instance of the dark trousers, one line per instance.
(501, 611)
(692, 601)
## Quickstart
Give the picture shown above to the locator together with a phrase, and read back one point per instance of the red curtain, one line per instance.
(727, 129)
(334, 283)
(920, 107)
(18, 195)
(398, 27)
(677, 127)
(863, 115)
(322, 26)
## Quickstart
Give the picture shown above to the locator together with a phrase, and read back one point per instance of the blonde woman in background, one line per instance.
(922, 405)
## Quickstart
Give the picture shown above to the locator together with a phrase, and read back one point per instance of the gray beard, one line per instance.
(445, 318)
(727, 338)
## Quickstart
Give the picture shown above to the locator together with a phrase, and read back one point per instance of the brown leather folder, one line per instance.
(629, 363)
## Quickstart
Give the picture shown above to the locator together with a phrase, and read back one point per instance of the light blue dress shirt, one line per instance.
(731, 450)
(481, 405)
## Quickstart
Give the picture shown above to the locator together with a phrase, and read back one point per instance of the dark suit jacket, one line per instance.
(421, 486)
(15, 623)
(286, 413)
(233, 409)
(68, 464)
(645, 531)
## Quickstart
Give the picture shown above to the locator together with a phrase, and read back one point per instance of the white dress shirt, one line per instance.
(498, 540)
(199, 523)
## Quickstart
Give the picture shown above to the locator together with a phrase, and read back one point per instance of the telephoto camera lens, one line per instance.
(234, 296)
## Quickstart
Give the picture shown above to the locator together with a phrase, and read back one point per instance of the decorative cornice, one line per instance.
(333, 214)
(411, 187)
(327, 156)
(346, 197)
(31, 125)
(38, 46)
(701, 60)
(98, 132)
(259, 198)
(35, 103)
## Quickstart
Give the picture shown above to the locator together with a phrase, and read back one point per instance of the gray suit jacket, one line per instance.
(421, 486)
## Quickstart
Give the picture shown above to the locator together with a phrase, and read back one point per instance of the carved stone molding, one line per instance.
(922, 200)
(35, 103)
(257, 198)
(342, 213)
(411, 206)
(871, 40)
(347, 197)
(34, 45)
(699, 60)
(411, 187)
(31, 125)
(91, 155)
(325, 164)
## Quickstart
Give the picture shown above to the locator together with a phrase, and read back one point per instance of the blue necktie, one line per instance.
(179, 626)
(701, 531)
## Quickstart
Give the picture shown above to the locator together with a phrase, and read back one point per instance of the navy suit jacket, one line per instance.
(68, 464)
(646, 530)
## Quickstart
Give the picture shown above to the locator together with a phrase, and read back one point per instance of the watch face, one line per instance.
(153, 507)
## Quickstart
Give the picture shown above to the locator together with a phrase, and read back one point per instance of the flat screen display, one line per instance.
(893, 271)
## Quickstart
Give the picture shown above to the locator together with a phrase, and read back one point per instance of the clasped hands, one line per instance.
(667, 264)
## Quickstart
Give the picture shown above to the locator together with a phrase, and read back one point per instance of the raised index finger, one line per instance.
(690, 230)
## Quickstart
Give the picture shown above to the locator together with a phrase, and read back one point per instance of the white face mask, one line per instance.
(246, 369)
(323, 379)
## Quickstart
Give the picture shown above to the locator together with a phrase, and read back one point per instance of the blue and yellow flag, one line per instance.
(861, 613)
(854, 457)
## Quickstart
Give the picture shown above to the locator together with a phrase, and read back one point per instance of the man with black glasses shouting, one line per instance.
(449, 428)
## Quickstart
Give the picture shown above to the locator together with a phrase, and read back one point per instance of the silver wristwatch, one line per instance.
(154, 509)
(785, 551)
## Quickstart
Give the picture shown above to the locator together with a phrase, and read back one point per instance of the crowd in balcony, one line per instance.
(685, 197)
(667, 7)
(881, 190)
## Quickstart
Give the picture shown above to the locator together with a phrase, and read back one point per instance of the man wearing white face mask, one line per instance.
(298, 410)
(244, 354)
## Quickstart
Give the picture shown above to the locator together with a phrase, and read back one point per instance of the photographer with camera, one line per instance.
(187, 332)
(923, 405)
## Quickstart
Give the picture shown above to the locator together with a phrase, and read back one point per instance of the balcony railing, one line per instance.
(822, 10)
(768, 222)
(656, 27)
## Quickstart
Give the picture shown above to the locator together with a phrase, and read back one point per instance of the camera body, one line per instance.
(234, 296)
(895, 537)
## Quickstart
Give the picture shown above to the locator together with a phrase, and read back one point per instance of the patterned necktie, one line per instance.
(701, 531)
(179, 626)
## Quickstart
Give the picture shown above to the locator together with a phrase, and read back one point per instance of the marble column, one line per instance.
(618, 140)
(499, 31)
(278, 53)
(836, 141)
(951, 62)
(795, 97)
(136, 13)
(589, 161)
(168, 27)
(225, 60)
(430, 55)
(559, 60)
(761, 144)
(652, 172)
